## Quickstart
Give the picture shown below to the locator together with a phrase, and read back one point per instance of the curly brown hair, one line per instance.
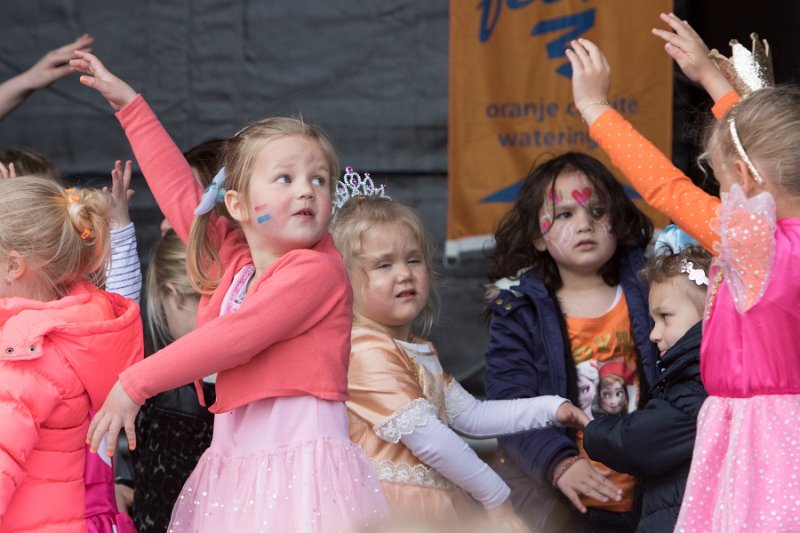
(516, 232)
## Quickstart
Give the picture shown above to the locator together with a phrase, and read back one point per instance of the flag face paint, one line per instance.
(261, 213)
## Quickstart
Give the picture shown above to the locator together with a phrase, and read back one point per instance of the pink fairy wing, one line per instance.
(747, 244)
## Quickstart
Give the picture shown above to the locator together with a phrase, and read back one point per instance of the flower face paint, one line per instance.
(575, 225)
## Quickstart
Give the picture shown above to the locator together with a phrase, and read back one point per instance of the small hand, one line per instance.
(584, 479)
(119, 196)
(687, 48)
(591, 78)
(116, 91)
(7, 172)
(504, 519)
(55, 63)
(119, 411)
(569, 415)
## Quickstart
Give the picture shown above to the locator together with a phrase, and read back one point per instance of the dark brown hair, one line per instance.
(514, 238)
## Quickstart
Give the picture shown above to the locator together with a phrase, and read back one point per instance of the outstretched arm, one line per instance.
(123, 272)
(650, 172)
(168, 174)
(51, 67)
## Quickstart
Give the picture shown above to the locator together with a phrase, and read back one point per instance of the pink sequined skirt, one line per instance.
(281, 464)
(745, 474)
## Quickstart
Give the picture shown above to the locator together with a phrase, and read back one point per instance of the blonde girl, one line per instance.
(744, 468)
(64, 341)
(274, 323)
(404, 409)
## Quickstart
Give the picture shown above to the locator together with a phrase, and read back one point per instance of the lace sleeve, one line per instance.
(403, 422)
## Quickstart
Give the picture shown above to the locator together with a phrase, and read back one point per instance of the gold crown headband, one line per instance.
(746, 71)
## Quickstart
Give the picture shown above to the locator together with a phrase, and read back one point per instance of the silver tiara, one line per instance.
(353, 185)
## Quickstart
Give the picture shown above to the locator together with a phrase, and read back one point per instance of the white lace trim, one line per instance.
(411, 475)
(404, 421)
(456, 399)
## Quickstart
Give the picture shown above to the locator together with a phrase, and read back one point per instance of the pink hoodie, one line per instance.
(57, 360)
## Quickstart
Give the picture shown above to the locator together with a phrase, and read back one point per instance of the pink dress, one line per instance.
(745, 474)
(280, 464)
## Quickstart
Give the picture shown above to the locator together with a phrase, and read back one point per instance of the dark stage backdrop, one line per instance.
(372, 73)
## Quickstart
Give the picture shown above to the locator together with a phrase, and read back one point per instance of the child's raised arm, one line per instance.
(650, 172)
(167, 172)
(689, 51)
(123, 272)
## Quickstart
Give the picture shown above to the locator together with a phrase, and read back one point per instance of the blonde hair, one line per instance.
(167, 266)
(240, 153)
(360, 215)
(768, 124)
(62, 234)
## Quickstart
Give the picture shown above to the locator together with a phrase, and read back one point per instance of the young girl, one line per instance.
(173, 429)
(64, 341)
(744, 468)
(655, 443)
(273, 322)
(565, 292)
(403, 408)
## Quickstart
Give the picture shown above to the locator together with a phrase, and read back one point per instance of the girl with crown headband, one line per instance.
(655, 443)
(746, 460)
(404, 409)
(273, 322)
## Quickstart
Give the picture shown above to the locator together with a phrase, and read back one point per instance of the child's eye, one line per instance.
(564, 215)
(320, 181)
(415, 261)
(284, 179)
(598, 212)
(384, 266)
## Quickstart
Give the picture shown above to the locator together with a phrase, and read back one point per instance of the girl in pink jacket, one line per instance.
(273, 322)
(63, 342)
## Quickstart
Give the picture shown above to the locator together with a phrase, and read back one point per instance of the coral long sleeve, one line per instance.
(292, 297)
(661, 184)
(167, 172)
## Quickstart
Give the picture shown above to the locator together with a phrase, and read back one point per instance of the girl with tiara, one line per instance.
(64, 341)
(746, 461)
(273, 321)
(405, 411)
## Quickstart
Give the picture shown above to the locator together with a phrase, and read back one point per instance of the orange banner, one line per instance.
(511, 96)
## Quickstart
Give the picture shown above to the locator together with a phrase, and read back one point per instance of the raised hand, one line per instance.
(55, 63)
(584, 479)
(119, 195)
(7, 172)
(687, 48)
(118, 412)
(569, 415)
(591, 79)
(96, 75)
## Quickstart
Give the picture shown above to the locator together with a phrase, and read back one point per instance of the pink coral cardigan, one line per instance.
(290, 337)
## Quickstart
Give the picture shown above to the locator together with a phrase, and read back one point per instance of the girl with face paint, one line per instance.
(565, 292)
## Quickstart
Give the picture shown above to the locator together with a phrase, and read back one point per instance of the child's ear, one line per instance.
(235, 206)
(175, 294)
(14, 267)
(539, 244)
(745, 178)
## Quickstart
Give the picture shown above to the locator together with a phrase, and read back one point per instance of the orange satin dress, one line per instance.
(388, 382)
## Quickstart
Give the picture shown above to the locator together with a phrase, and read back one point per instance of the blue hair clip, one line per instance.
(672, 240)
(213, 194)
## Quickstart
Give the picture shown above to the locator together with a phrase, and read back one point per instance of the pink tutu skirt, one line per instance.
(745, 474)
(281, 464)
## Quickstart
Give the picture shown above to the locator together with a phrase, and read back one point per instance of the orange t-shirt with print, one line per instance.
(606, 359)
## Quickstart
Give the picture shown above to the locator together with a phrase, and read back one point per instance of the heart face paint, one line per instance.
(575, 226)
